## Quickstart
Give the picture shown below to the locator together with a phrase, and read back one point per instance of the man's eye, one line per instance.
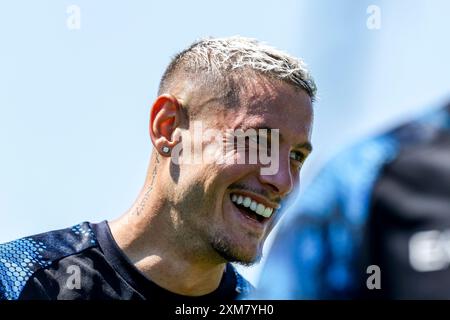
(297, 156)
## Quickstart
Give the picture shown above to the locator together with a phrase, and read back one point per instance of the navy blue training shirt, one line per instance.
(84, 263)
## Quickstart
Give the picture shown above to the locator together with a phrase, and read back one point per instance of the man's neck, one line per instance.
(147, 240)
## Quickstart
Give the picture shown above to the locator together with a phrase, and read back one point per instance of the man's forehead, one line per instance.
(263, 103)
(290, 109)
(264, 89)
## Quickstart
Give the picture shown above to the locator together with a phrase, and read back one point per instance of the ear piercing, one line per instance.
(166, 150)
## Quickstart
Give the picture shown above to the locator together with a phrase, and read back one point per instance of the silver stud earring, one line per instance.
(166, 149)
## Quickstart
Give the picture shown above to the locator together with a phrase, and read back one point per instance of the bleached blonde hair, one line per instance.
(221, 57)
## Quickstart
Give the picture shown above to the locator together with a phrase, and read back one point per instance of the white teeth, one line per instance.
(247, 202)
(260, 209)
(267, 212)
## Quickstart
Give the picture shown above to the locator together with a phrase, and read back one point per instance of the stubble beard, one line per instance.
(231, 253)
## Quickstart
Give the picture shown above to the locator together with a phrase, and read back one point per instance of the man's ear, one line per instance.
(165, 117)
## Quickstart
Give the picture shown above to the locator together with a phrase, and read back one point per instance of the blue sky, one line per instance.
(74, 104)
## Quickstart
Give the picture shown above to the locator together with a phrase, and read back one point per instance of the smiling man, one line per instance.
(197, 211)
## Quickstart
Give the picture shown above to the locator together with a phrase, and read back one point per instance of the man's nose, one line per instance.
(282, 181)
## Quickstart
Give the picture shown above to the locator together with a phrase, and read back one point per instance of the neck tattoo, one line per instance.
(144, 200)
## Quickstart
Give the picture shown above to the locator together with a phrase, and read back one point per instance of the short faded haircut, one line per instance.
(221, 61)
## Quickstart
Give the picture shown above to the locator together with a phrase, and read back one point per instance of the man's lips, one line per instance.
(249, 217)
(248, 198)
(253, 206)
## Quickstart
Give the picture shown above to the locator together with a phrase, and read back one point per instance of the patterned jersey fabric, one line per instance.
(84, 262)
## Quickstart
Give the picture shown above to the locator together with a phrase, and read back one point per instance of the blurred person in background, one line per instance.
(374, 223)
(365, 223)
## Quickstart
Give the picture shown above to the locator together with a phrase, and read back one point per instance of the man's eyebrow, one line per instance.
(305, 145)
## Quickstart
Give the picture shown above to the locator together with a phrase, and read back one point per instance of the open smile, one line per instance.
(252, 208)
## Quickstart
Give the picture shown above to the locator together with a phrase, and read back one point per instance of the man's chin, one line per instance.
(248, 263)
(237, 255)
